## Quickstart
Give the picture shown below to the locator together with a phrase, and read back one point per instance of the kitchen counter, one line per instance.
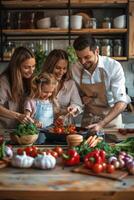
(59, 183)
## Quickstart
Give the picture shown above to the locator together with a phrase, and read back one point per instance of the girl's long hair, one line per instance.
(39, 81)
(13, 72)
(52, 59)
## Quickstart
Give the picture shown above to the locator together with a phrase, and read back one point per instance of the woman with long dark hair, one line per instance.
(15, 86)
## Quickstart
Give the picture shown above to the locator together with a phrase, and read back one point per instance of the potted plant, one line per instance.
(71, 54)
(40, 56)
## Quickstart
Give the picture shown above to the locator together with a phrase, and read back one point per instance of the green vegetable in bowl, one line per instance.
(26, 129)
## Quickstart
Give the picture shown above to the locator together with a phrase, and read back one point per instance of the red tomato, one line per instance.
(28, 150)
(97, 168)
(35, 148)
(59, 130)
(54, 154)
(59, 150)
(33, 153)
(104, 165)
(88, 163)
(48, 151)
(110, 168)
(20, 151)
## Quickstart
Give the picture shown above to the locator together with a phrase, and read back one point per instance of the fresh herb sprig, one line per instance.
(26, 129)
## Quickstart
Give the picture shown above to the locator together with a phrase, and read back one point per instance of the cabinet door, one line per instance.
(131, 29)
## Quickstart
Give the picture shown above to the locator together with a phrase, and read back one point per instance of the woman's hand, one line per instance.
(72, 111)
(23, 118)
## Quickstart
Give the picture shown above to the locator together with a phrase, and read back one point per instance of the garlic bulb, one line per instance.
(45, 161)
(22, 161)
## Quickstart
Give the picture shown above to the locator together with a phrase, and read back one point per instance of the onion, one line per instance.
(116, 163)
(127, 159)
(122, 163)
(8, 152)
(111, 159)
(129, 156)
(130, 167)
(121, 156)
(123, 153)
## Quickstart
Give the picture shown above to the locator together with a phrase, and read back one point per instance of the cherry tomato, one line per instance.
(33, 153)
(59, 150)
(54, 154)
(59, 130)
(104, 165)
(20, 151)
(97, 168)
(110, 168)
(58, 122)
(48, 151)
(28, 150)
(35, 148)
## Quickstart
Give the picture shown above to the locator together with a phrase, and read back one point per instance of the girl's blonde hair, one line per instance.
(39, 81)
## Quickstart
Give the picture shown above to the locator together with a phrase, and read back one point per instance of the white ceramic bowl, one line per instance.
(120, 21)
(62, 21)
(76, 22)
(44, 23)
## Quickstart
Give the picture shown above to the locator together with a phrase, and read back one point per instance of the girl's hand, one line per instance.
(38, 124)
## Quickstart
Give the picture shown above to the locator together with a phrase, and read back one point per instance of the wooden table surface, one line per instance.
(59, 183)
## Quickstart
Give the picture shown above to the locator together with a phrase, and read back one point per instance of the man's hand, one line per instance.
(95, 127)
(85, 100)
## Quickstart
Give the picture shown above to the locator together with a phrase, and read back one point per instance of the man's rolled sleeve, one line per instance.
(118, 86)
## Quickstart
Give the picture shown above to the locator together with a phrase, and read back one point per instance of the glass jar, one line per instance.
(19, 22)
(9, 49)
(8, 21)
(118, 48)
(32, 21)
(106, 23)
(91, 23)
(106, 48)
(98, 45)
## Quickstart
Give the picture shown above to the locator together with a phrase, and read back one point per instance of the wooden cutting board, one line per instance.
(118, 134)
(117, 175)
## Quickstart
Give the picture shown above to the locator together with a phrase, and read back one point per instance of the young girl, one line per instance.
(41, 104)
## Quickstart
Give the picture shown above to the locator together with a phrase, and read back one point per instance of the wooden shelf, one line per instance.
(45, 3)
(100, 31)
(120, 58)
(61, 31)
(115, 58)
(33, 4)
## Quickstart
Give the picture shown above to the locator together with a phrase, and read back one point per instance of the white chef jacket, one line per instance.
(113, 75)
